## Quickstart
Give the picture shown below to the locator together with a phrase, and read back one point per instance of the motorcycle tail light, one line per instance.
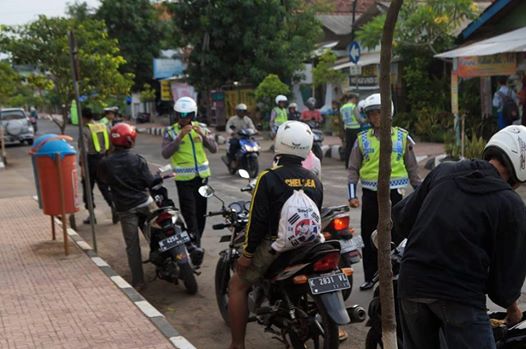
(340, 223)
(328, 262)
(300, 279)
(347, 271)
(163, 217)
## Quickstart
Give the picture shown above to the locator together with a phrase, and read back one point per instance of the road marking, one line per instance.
(84, 245)
(148, 309)
(181, 343)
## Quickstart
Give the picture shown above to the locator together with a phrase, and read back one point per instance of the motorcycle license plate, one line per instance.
(174, 241)
(353, 244)
(328, 283)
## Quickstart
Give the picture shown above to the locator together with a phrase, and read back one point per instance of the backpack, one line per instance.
(299, 223)
(510, 111)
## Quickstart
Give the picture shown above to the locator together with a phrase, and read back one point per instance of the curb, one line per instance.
(154, 131)
(148, 310)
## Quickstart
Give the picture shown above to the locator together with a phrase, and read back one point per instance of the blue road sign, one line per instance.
(354, 52)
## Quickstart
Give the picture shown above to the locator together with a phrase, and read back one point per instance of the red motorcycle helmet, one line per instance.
(123, 135)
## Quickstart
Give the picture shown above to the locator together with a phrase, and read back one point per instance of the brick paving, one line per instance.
(48, 300)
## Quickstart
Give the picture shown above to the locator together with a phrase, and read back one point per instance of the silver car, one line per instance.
(17, 126)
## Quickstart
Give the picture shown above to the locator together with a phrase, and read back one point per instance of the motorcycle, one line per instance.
(318, 138)
(513, 337)
(300, 300)
(247, 155)
(335, 226)
(171, 248)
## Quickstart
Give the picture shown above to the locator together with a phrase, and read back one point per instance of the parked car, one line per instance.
(17, 126)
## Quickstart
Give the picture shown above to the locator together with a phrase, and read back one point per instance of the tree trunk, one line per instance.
(384, 203)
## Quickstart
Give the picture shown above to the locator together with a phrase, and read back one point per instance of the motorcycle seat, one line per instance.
(326, 211)
(303, 255)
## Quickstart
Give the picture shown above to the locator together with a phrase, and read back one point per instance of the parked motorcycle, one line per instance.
(335, 226)
(247, 155)
(171, 248)
(300, 298)
(317, 134)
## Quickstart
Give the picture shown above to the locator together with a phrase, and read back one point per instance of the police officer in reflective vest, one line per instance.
(97, 144)
(184, 144)
(351, 124)
(279, 114)
(364, 166)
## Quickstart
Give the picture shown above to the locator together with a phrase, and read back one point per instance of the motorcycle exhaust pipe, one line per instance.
(356, 314)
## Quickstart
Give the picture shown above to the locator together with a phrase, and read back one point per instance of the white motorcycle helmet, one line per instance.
(293, 105)
(373, 103)
(185, 107)
(361, 105)
(242, 107)
(509, 147)
(281, 98)
(293, 138)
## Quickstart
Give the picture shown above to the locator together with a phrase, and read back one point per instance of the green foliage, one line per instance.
(245, 40)
(9, 83)
(432, 124)
(323, 72)
(44, 44)
(147, 93)
(473, 147)
(136, 26)
(268, 89)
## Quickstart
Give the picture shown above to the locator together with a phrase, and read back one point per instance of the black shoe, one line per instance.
(197, 256)
(87, 220)
(114, 216)
(366, 285)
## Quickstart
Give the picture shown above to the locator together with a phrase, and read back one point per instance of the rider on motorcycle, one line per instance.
(294, 114)
(279, 114)
(311, 113)
(234, 124)
(274, 186)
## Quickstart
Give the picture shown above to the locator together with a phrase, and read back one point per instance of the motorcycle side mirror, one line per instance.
(206, 191)
(243, 174)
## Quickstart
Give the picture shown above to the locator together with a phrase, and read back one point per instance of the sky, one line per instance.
(22, 11)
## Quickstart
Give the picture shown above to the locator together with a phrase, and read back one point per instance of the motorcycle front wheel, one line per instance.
(222, 279)
(252, 166)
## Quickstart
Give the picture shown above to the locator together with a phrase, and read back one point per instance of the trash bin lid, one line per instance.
(51, 147)
(42, 138)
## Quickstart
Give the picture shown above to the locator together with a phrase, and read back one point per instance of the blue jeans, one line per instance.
(462, 326)
(501, 123)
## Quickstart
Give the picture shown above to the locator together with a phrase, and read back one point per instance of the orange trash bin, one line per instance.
(56, 158)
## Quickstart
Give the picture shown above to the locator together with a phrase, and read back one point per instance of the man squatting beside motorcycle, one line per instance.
(234, 124)
(466, 231)
(129, 178)
(184, 144)
(364, 165)
(293, 142)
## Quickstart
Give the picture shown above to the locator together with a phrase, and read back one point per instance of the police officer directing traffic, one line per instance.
(364, 164)
(184, 144)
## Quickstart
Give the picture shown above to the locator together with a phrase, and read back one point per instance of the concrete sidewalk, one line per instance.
(53, 301)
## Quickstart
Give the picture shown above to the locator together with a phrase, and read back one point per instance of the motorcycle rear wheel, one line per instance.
(222, 279)
(186, 273)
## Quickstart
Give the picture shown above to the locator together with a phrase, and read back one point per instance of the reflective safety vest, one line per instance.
(190, 160)
(370, 148)
(95, 128)
(348, 116)
(281, 115)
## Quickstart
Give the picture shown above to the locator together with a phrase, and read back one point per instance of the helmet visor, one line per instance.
(185, 115)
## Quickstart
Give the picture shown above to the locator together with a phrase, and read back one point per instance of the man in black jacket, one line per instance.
(129, 178)
(292, 144)
(466, 232)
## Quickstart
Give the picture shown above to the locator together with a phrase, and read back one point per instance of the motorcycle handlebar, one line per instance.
(212, 213)
(247, 188)
(220, 226)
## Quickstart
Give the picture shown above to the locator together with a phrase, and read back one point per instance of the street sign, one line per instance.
(354, 52)
(355, 70)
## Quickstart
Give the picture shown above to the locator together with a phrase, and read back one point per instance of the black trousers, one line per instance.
(368, 224)
(350, 138)
(233, 147)
(193, 206)
(93, 164)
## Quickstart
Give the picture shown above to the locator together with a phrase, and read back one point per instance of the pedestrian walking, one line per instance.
(364, 166)
(96, 146)
(129, 178)
(505, 100)
(351, 124)
(466, 230)
(184, 144)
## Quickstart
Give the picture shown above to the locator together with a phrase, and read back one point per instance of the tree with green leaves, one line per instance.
(10, 82)
(423, 29)
(245, 40)
(137, 27)
(44, 44)
(268, 89)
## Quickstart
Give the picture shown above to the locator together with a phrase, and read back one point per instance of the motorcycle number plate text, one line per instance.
(173, 241)
(328, 283)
